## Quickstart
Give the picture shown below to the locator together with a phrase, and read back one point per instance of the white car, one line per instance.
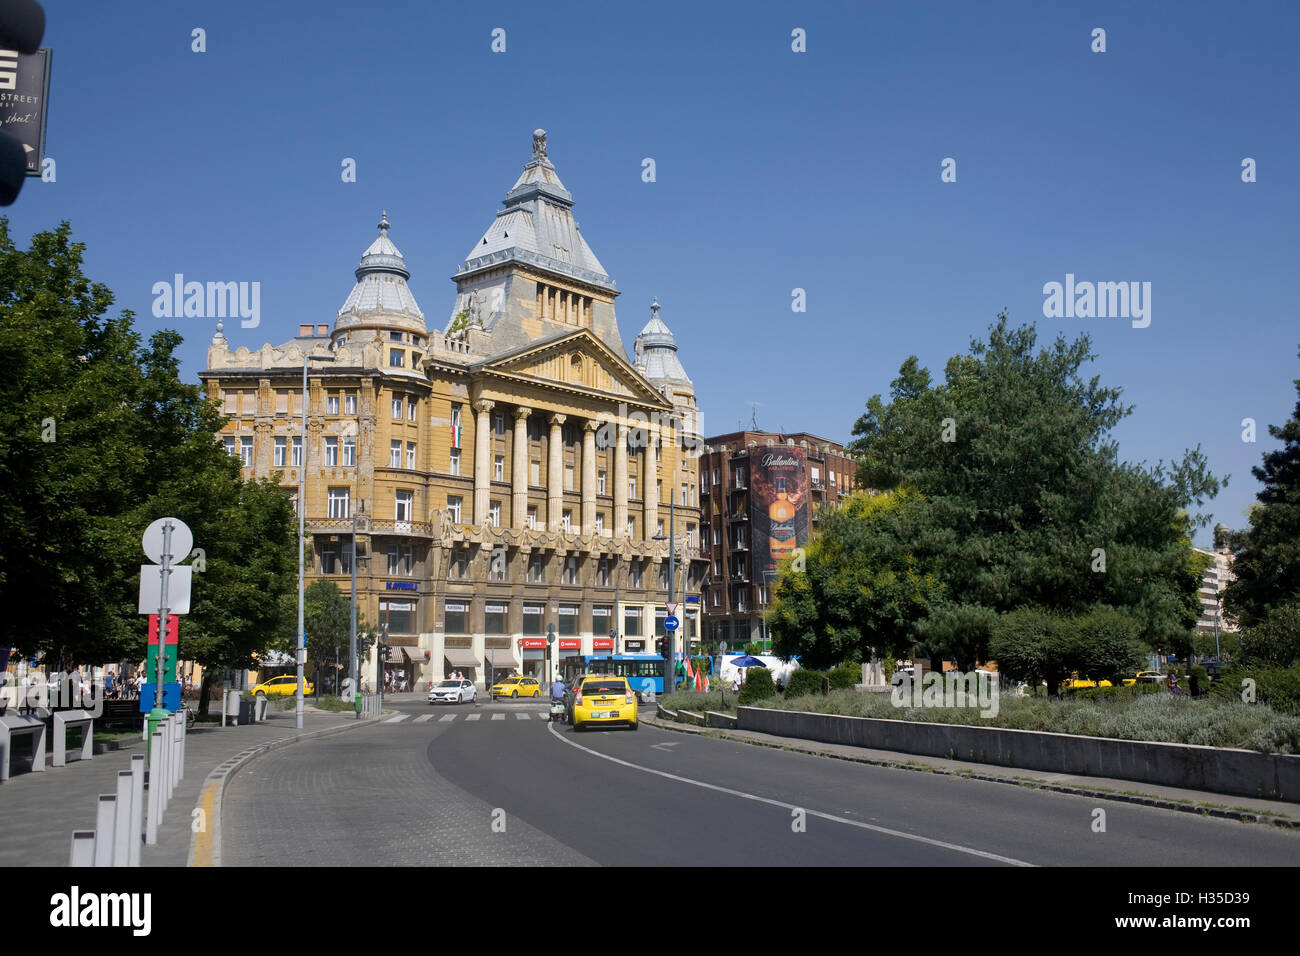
(453, 692)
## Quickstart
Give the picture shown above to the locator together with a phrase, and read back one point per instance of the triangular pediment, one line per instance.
(579, 361)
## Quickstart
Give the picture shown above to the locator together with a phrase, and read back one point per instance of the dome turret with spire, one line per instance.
(381, 299)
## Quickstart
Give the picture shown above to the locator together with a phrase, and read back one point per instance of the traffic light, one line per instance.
(659, 646)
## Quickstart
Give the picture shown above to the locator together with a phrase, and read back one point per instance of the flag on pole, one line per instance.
(455, 436)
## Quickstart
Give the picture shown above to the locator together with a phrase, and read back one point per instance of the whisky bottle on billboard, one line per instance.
(781, 536)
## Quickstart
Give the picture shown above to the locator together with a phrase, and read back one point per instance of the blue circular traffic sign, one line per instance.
(671, 624)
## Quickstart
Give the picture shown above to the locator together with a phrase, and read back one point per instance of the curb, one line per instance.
(1159, 803)
(205, 847)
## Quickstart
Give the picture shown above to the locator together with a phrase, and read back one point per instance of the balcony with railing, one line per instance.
(367, 525)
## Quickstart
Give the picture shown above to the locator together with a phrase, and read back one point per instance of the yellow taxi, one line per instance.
(1075, 682)
(284, 686)
(604, 700)
(517, 687)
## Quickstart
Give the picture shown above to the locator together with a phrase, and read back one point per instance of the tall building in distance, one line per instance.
(762, 494)
(508, 473)
(1213, 582)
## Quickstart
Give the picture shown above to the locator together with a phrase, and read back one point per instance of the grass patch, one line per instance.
(334, 705)
(698, 703)
(1148, 717)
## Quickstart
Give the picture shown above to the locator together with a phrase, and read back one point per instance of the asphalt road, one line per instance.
(496, 784)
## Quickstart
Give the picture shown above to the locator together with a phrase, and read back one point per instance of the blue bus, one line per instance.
(644, 672)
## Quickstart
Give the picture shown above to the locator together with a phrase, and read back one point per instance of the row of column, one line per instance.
(555, 474)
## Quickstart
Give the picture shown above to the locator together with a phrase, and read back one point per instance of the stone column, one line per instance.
(620, 482)
(555, 476)
(519, 473)
(589, 477)
(482, 452)
(650, 473)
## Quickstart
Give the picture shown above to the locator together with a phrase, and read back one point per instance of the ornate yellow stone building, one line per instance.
(506, 474)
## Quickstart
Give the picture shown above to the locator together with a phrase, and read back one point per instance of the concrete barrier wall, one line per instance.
(715, 719)
(1217, 770)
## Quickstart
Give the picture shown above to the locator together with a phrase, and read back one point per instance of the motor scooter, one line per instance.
(557, 709)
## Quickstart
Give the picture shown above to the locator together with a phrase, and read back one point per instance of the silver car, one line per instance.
(453, 692)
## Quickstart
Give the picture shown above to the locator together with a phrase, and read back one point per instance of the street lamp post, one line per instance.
(669, 642)
(302, 512)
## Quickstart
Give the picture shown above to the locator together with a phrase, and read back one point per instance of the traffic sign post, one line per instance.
(166, 541)
(671, 623)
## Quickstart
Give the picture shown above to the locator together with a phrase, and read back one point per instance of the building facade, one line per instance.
(761, 495)
(1214, 580)
(508, 475)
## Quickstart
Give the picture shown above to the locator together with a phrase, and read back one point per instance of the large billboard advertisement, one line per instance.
(778, 483)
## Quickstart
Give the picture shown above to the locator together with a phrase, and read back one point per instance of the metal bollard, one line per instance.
(137, 809)
(122, 821)
(83, 848)
(154, 808)
(105, 816)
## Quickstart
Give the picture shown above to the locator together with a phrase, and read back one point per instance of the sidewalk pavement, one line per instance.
(40, 810)
(1277, 812)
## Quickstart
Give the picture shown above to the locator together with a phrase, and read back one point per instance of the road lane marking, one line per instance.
(424, 719)
(203, 839)
(473, 716)
(983, 854)
(397, 720)
(665, 746)
(522, 716)
(446, 718)
(498, 716)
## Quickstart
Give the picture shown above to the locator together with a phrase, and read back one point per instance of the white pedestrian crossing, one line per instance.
(473, 716)
(498, 716)
(397, 720)
(446, 718)
(522, 716)
(424, 719)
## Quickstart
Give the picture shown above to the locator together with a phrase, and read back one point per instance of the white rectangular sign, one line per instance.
(178, 589)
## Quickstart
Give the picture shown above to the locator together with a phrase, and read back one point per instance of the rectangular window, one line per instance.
(661, 527)
(398, 615)
(350, 404)
(631, 622)
(455, 617)
(458, 564)
(602, 573)
(412, 409)
(394, 453)
(571, 570)
(499, 420)
(453, 463)
(692, 539)
(631, 487)
(600, 483)
(455, 425)
(401, 560)
(410, 455)
(297, 451)
(349, 451)
(685, 491)
(453, 506)
(659, 490)
(332, 405)
(717, 476)
(661, 615)
(601, 617)
(282, 401)
(533, 620)
(631, 527)
(831, 476)
(532, 516)
(494, 514)
(600, 524)
(402, 506)
(567, 520)
(634, 573)
(535, 568)
(397, 408)
(499, 468)
(331, 452)
(329, 557)
(230, 445)
(395, 358)
(663, 575)
(494, 618)
(246, 451)
(280, 445)
(340, 504)
(568, 626)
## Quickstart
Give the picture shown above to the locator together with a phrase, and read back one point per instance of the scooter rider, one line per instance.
(558, 691)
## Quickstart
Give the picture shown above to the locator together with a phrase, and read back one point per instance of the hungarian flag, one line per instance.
(455, 436)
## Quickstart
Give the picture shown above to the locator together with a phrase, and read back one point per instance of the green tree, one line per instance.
(327, 622)
(861, 588)
(98, 437)
(1267, 554)
(1025, 501)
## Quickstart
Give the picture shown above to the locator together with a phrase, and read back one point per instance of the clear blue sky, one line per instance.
(775, 170)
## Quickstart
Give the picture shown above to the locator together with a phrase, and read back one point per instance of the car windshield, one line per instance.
(449, 683)
(604, 687)
(509, 680)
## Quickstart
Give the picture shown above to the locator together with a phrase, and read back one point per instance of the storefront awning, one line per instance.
(500, 657)
(461, 657)
(417, 654)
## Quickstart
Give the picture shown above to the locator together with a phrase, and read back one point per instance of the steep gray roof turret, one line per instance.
(381, 288)
(656, 351)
